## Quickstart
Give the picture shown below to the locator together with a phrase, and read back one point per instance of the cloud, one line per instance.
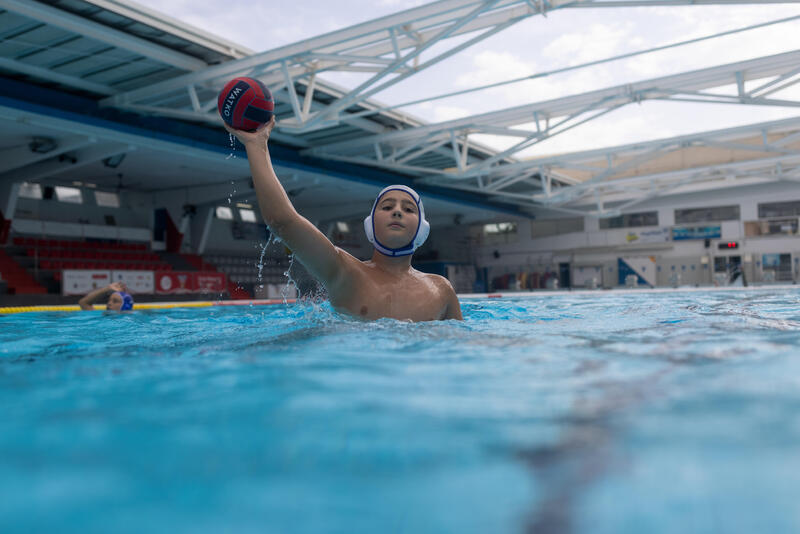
(492, 66)
(596, 42)
(401, 4)
(447, 113)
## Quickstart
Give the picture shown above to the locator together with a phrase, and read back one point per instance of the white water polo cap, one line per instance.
(421, 234)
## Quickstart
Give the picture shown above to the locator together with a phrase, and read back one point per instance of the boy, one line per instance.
(118, 300)
(384, 286)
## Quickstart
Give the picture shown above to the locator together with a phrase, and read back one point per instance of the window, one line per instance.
(780, 266)
(106, 200)
(342, 227)
(556, 227)
(630, 220)
(711, 214)
(27, 190)
(247, 215)
(69, 194)
(779, 209)
(786, 226)
(225, 213)
(500, 228)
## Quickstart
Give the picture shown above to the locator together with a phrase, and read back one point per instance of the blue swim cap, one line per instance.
(127, 301)
(423, 227)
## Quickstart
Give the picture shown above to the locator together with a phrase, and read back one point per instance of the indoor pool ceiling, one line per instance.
(135, 62)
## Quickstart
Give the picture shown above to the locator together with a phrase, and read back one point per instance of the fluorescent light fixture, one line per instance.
(225, 213)
(69, 194)
(29, 190)
(247, 215)
(106, 200)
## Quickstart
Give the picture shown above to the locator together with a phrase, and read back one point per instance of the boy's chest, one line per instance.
(412, 299)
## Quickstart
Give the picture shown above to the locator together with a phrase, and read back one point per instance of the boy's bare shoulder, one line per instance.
(441, 282)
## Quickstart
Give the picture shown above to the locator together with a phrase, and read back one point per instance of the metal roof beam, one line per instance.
(645, 3)
(172, 26)
(415, 29)
(22, 156)
(56, 165)
(602, 186)
(764, 167)
(662, 87)
(582, 160)
(55, 77)
(68, 21)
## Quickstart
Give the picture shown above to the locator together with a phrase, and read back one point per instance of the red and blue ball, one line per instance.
(245, 104)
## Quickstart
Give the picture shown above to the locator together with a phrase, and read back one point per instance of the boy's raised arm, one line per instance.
(312, 248)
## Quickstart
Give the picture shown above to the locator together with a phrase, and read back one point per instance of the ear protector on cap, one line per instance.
(127, 301)
(423, 227)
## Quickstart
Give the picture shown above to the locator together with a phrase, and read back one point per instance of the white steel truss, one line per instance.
(755, 81)
(389, 48)
(630, 174)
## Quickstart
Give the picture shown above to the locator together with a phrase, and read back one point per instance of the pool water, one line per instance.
(624, 412)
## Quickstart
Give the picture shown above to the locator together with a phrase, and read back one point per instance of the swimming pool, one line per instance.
(623, 412)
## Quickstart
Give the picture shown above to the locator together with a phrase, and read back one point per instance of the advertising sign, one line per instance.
(696, 232)
(209, 282)
(171, 282)
(644, 268)
(136, 281)
(655, 235)
(82, 282)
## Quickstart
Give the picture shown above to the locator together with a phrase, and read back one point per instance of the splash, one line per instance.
(230, 195)
(289, 280)
(260, 264)
(232, 140)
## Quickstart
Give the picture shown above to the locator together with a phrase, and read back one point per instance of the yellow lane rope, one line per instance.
(146, 306)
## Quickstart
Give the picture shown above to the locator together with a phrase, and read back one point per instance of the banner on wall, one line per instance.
(656, 235)
(81, 282)
(172, 282)
(696, 232)
(644, 268)
(209, 282)
(136, 281)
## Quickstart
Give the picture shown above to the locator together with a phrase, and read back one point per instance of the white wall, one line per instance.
(130, 212)
(595, 247)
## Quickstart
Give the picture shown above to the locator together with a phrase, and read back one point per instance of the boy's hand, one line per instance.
(118, 286)
(259, 137)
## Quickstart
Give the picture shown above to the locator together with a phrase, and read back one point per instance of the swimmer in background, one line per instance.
(384, 286)
(118, 300)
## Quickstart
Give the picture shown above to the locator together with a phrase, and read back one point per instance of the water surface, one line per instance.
(628, 412)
